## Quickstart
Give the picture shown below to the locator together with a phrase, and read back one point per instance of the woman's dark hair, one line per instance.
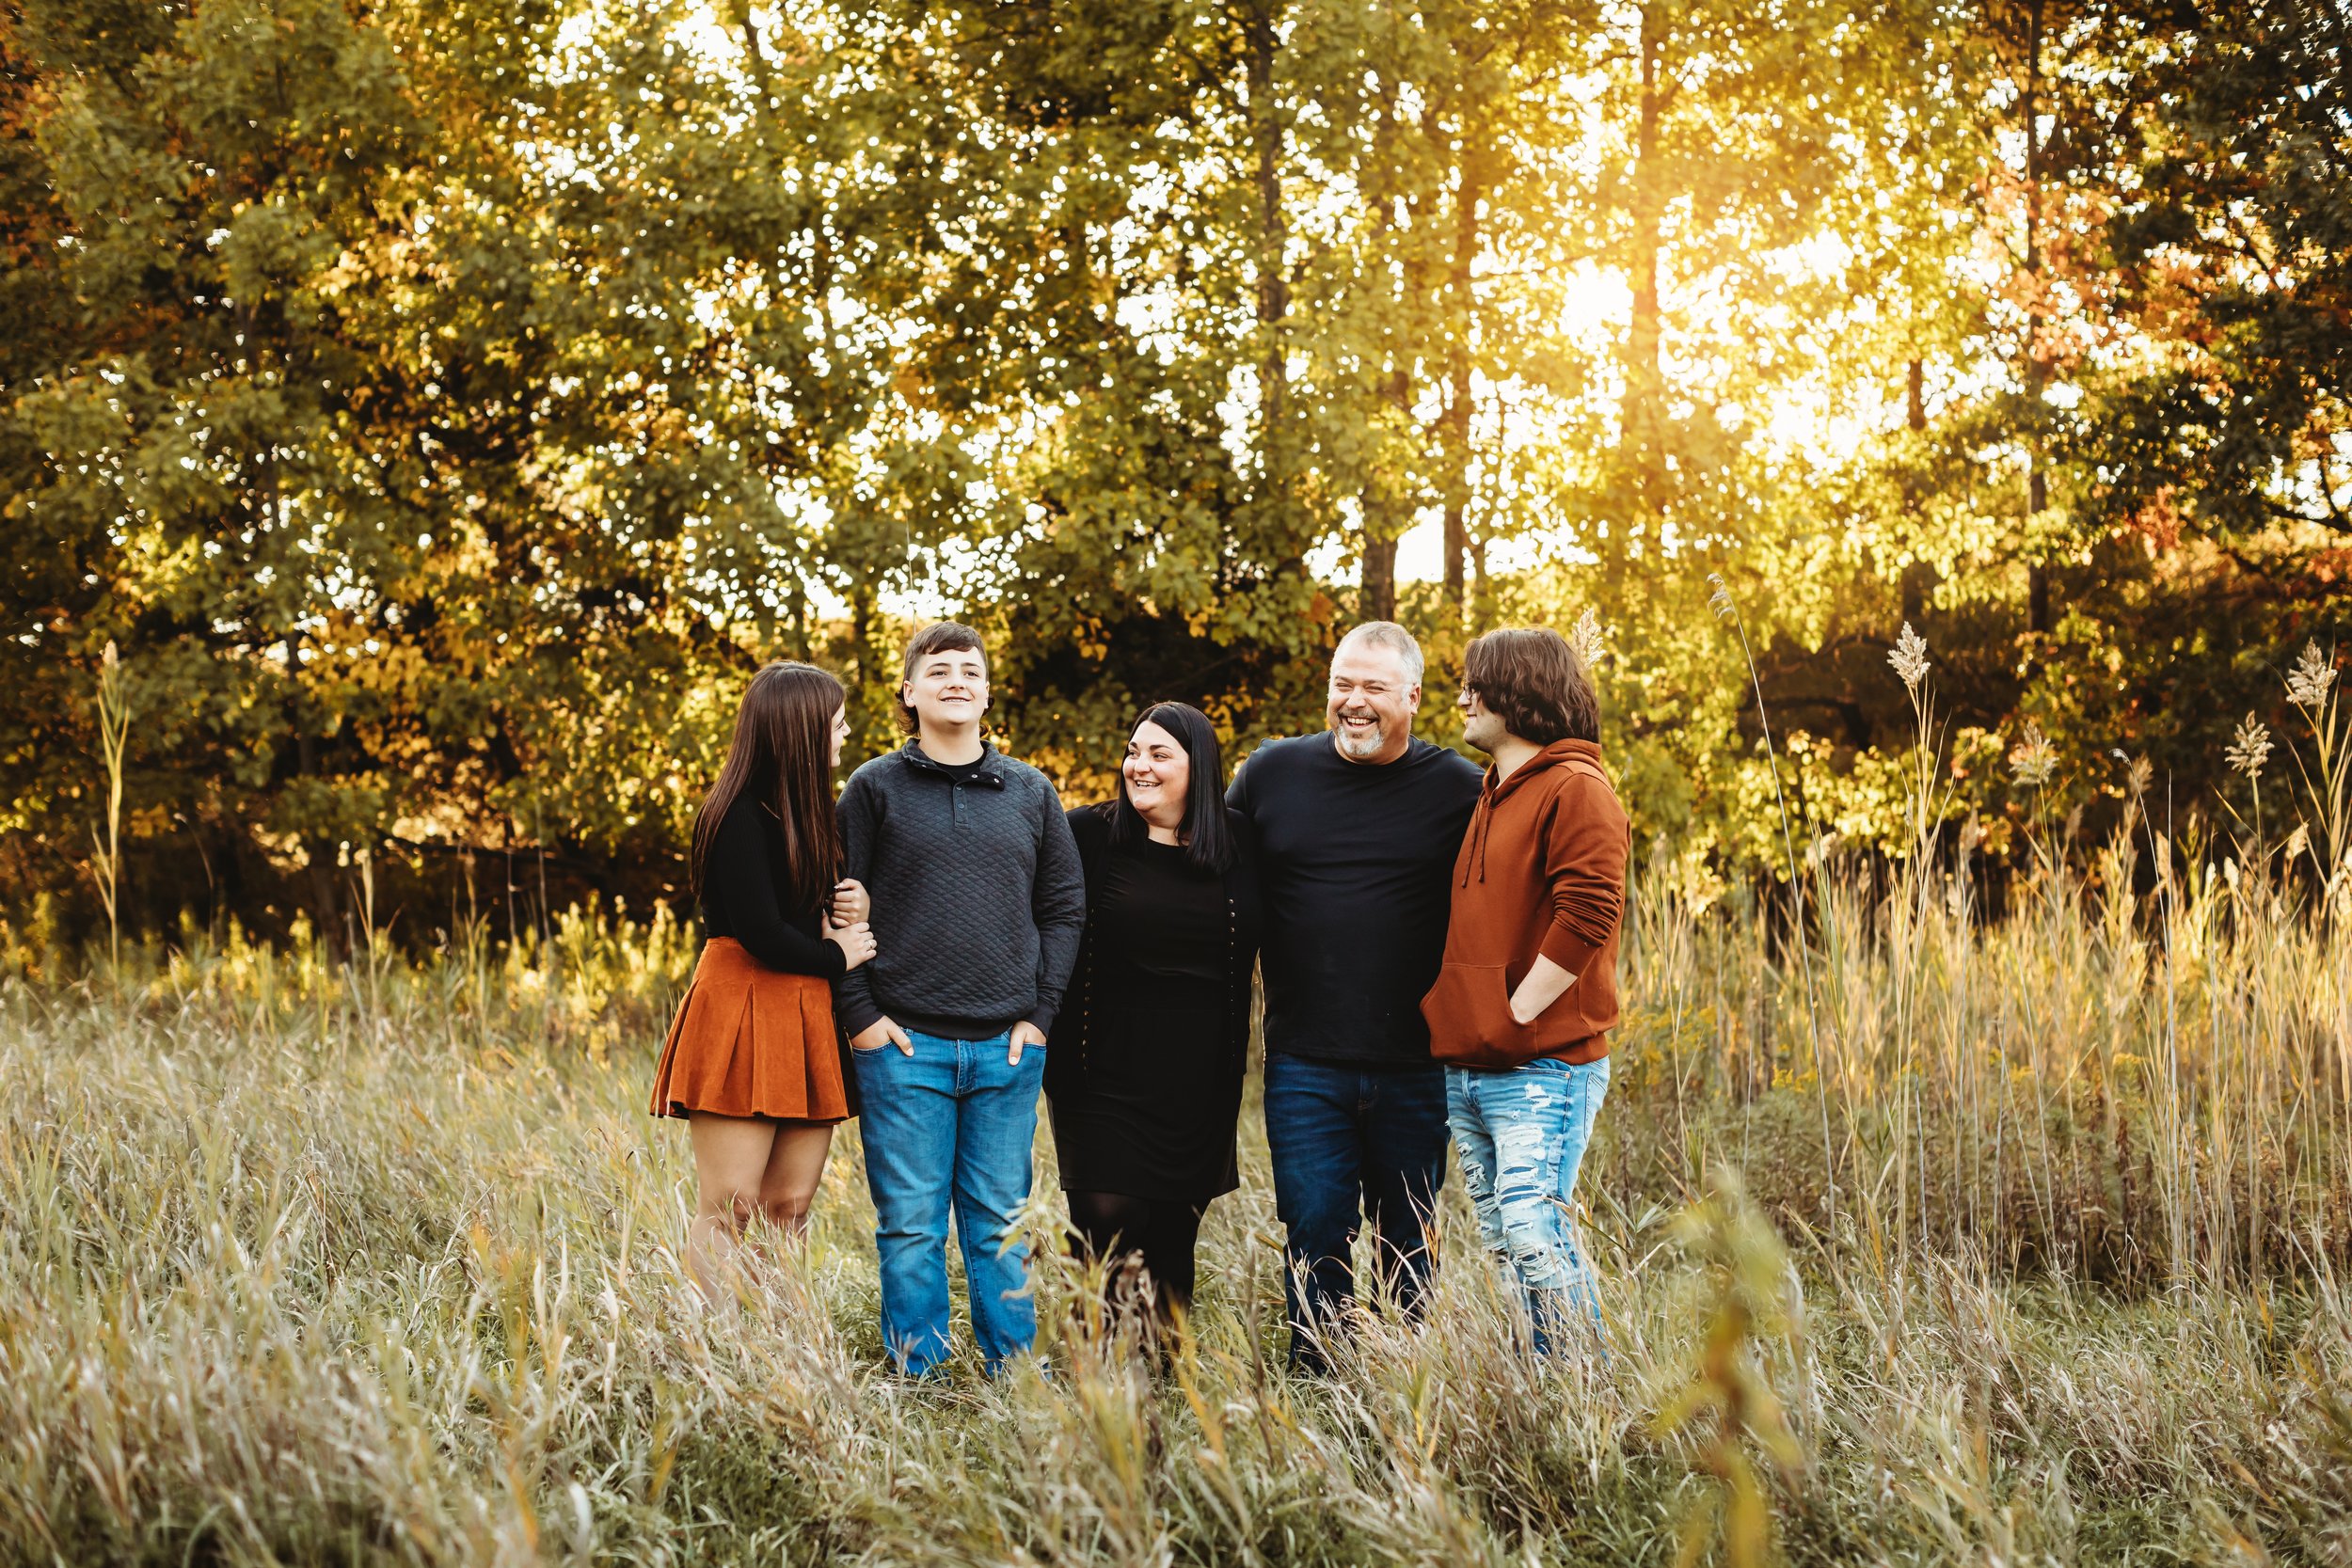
(781, 757)
(1531, 679)
(1208, 841)
(939, 637)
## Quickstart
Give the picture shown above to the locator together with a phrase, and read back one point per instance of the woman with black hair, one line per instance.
(753, 1062)
(1144, 1073)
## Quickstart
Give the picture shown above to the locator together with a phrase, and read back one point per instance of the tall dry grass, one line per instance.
(313, 1261)
(2049, 1092)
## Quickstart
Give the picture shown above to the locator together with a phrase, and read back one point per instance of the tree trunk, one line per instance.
(1261, 40)
(878, 687)
(1376, 596)
(1918, 576)
(2037, 362)
(2037, 569)
(780, 278)
(1461, 313)
(1383, 512)
(1384, 518)
(1642, 433)
(317, 852)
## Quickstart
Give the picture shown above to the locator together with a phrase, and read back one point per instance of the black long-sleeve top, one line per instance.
(743, 896)
(1356, 866)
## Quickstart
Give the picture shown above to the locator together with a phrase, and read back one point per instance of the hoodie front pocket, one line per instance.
(1468, 1013)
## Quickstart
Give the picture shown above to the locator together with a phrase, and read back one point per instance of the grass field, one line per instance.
(311, 1262)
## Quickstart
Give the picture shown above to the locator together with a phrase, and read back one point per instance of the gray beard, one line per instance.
(1359, 750)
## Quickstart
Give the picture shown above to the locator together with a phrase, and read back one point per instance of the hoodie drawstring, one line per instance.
(1479, 822)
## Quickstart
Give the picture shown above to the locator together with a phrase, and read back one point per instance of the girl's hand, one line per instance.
(856, 941)
(851, 904)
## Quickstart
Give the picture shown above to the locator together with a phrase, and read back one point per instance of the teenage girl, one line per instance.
(753, 1061)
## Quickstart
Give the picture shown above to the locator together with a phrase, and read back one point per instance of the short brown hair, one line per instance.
(1532, 679)
(939, 637)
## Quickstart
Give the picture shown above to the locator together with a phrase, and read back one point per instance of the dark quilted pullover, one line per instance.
(978, 899)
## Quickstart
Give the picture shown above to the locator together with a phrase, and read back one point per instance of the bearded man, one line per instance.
(1356, 831)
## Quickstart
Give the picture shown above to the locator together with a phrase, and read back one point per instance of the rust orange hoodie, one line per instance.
(1541, 870)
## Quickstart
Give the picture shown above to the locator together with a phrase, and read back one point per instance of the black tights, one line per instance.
(1117, 1230)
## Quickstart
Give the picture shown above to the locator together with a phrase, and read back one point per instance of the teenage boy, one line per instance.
(1355, 829)
(1521, 1012)
(978, 906)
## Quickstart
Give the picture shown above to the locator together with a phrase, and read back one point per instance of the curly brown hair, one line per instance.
(1530, 679)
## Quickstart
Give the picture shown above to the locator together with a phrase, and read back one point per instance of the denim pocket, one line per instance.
(914, 1043)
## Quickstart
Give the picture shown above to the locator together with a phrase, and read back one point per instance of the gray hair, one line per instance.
(1389, 635)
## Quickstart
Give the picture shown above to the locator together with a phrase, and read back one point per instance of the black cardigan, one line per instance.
(1065, 1064)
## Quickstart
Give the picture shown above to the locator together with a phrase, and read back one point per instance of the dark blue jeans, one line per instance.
(1351, 1144)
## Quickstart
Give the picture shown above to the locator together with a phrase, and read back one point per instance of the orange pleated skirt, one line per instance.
(751, 1041)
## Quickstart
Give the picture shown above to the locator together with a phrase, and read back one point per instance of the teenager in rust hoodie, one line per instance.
(1522, 1008)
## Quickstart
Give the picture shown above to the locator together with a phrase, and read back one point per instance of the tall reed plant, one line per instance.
(113, 734)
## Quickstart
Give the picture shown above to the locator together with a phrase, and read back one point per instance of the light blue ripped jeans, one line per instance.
(1521, 1132)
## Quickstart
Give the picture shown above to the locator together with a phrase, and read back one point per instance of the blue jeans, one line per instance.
(1522, 1133)
(1341, 1135)
(950, 1127)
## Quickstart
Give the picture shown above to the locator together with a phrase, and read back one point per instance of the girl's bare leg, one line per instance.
(795, 1164)
(731, 1159)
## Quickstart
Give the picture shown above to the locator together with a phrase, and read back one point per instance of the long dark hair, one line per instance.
(1209, 842)
(781, 757)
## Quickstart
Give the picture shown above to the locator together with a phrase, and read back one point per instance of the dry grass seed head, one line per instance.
(2033, 761)
(2249, 749)
(2309, 681)
(1909, 658)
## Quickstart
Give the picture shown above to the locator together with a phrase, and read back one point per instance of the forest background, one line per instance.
(440, 408)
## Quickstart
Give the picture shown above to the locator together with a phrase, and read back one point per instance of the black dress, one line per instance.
(1144, 1070)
